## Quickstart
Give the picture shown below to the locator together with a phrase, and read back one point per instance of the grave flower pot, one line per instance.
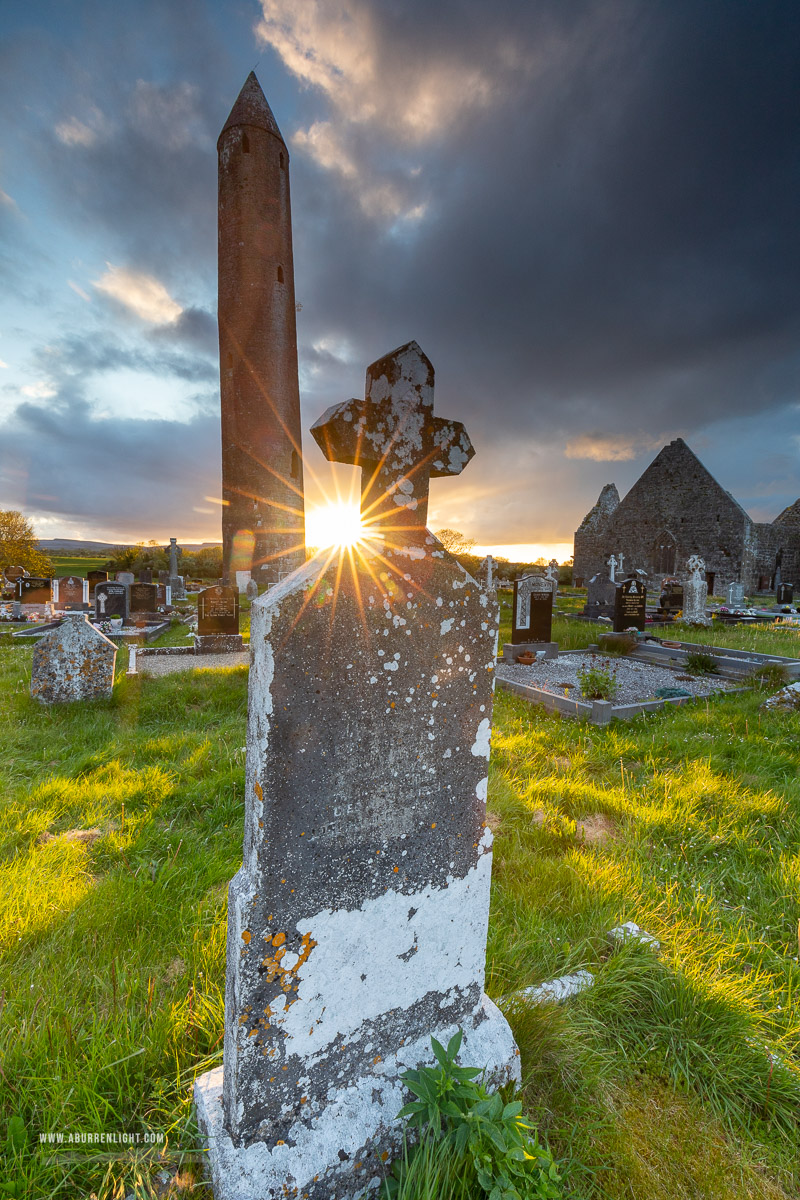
(526, 658)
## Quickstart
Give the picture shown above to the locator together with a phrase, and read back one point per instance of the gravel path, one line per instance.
(637, 680)
(168, 664)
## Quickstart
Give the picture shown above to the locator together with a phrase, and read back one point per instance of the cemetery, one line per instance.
(308, 889)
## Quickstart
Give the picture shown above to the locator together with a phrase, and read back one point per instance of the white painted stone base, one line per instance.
(356, 1119)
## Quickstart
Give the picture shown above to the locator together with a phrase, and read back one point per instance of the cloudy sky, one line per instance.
(586, 213)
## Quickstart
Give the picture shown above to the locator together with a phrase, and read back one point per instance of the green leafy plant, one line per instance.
(700, 663)
(481, 1141)
(598, 682)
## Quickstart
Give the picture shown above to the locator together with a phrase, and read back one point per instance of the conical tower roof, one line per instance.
(251, 108)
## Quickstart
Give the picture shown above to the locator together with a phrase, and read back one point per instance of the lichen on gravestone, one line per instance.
(75, 661)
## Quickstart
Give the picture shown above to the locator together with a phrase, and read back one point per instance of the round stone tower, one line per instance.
(262, 469)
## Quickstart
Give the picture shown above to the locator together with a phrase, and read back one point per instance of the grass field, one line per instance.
(77, 566)
(676, 1076)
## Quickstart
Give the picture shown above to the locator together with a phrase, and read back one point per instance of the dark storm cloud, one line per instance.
(617, 235)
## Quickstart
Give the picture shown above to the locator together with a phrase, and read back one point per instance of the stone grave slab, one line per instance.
(218, 621)
(357, 923)
(73, 662)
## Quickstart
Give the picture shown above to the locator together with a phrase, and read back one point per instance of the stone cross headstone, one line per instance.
(218, 620)
(357, 923)
(73, 662)
(488, 566)
(33, 589)
(142, 599)
(110, 600)
(736, 595)
(552, 574)
(695, 593)
(175, 580)
(95, 577)
(612, 565)
(630, 606)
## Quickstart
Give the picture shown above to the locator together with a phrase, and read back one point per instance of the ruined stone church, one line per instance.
(676, 509)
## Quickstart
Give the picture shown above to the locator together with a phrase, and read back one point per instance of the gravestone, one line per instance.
(242, 580)
(695, 593)
(487, 566)
(142, 600)
(552, 574)
(784, 593)
(531, 618)
(252, 590)
(600, 597)
(671, 598)
(175, 580)
(163, 595)
(71, 593)
(218, 621)
(11, 574)
(33, 589)
(127, 577)
(73, 662)
(110, 600)
(95, 577)
(736, 595)
(357, 923)
(630, 605)
(146, 575)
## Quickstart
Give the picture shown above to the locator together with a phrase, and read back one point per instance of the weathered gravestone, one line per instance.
(142, 600)
(736, 595)
(73, 662)
(695, 593)
(242, 580)
(110, 600)
(218, 621)
(146, 575)
(784, 593)
(126, 577)
(357, 923)
(531, 618)
(252, 590)
(163, 595)
(71, 593)
(670, 600)
(175, 580)
(600, 596)
(552, 574)
(95, 577)
(630, 605)
(32, 589)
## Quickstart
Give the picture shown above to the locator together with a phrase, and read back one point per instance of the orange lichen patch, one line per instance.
(433, 826)
(376, 1059)
(246, 936)
(384, 1155)
(258, 791)
(286, 977)
(395, 869)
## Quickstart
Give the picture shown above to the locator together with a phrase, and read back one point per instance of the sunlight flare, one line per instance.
(335, 524)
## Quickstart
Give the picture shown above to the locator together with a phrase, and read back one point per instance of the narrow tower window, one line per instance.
(295, 465)
(280, 274)
(245, 144)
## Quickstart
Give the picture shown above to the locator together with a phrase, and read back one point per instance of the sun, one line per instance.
(336, 524)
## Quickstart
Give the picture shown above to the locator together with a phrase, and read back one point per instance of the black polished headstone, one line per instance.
(110, 600)
(218, 610)
(671, 599)
(784, 593)
(34, 590)
(142, 598)
(630, 604)
(532, 615)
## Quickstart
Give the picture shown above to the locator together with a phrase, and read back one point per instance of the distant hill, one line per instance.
(67, 546)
